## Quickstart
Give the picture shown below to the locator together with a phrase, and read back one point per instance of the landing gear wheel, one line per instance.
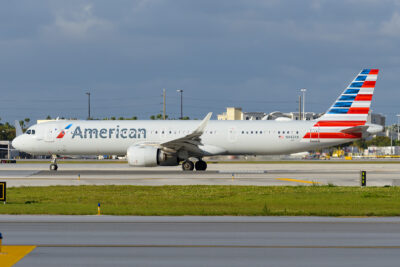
(53, 167)
(187, 165)
(200, 165)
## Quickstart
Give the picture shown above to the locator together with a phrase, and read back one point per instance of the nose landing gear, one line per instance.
(53, 165)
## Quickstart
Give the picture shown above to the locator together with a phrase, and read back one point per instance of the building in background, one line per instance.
(376, 118)
(234, 113)
(253, 116)
(231, 114)
(277, 115)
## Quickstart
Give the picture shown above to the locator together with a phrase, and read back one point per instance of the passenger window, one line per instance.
(33, 131)
(256, 132)
(28, 132)
(279, 132)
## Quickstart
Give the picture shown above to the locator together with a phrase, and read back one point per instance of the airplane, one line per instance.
(148, 143)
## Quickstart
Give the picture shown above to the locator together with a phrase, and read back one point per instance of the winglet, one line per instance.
(203, 124)
(18, 130)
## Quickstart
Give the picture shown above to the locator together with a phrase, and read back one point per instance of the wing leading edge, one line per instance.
(190, 142)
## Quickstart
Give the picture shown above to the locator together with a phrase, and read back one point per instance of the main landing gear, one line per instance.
(53, 165)
(188, 165)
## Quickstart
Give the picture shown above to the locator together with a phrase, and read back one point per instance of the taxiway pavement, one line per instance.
(345, 174)
(204, 241)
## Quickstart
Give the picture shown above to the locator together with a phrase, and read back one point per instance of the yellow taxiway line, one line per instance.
(10, 255)
(296, 180)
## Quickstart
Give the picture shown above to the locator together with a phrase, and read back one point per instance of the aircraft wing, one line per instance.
(188, 142)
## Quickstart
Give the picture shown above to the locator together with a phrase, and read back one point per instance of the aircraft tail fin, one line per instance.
(18, 129)
(347, 117)
(353, 105)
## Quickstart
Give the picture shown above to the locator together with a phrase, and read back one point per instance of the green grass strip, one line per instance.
(205, 200)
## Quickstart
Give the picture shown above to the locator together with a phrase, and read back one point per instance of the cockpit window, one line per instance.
(30, 132)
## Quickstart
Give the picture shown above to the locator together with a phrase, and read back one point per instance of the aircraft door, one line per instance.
(314, 135)
(49, 134)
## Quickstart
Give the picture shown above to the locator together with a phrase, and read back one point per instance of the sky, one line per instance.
(253, 54)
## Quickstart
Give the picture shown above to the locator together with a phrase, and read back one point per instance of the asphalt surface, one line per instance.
(204, 241)
(378, 174)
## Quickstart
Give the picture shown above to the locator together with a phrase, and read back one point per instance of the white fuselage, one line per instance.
(219, 137)
(167, 143)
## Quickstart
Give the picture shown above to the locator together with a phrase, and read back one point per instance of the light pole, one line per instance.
(304, 101)
(398, 129)
(391, 142)
(181, 91)
(88, 93)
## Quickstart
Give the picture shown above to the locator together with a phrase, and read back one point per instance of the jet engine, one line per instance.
(149, 156)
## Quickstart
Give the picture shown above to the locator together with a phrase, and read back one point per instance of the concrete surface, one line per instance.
(204, 241)
(378, 174)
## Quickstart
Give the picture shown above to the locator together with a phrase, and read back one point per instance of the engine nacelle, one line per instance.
(149, 156)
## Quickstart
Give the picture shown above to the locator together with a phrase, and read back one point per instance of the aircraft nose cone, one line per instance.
(16, 143)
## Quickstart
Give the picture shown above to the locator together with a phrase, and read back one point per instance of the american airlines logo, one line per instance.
(62, 133)
(109, 133)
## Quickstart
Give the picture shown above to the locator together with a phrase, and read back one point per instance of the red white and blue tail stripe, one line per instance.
(349, 111)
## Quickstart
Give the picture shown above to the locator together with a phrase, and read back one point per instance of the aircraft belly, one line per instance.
(84, 147)
(261, 147)
(99, 147)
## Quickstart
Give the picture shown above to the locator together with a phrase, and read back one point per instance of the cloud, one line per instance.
(77, 24)
(392, 27)
(241, 50)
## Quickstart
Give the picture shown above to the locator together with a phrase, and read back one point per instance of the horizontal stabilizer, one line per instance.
(356, 129)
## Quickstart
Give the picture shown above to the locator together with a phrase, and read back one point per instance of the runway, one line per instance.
(344, 174)
(204, 241)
